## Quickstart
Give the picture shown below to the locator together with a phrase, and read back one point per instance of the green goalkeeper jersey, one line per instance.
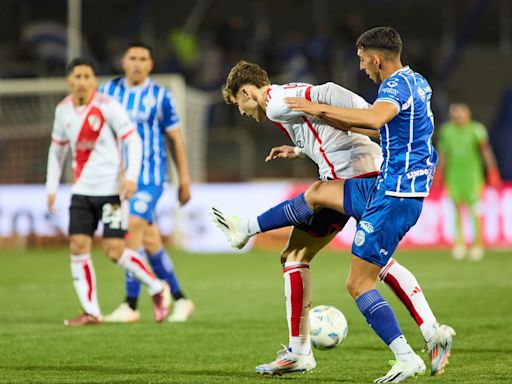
(464, 169)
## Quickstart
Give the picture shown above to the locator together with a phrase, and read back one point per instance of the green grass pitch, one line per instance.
(240, 321)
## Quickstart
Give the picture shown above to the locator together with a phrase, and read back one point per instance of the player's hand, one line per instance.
(184, 194)
(129, 189)
(282, 152)
(303, 105)
(51, 202)
(494, 178)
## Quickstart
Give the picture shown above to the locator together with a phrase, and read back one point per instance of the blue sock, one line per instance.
(164, 269)
(132, 285)
(379, 315)
(291, 212)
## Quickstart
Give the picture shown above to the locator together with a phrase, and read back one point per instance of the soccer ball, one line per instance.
(327, 327)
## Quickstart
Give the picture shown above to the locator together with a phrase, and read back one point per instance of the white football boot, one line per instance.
(476, 253)
(403, 370)
(230, 225)
(123, 314)
(459, 252)
(439, 347)
(183, 309)
(288, 362)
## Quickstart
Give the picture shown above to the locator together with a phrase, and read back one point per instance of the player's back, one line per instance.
(406, 140)
(152, 108)
(338, 153)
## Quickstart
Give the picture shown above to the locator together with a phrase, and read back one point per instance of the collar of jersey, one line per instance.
(136, 87)
(403, 69)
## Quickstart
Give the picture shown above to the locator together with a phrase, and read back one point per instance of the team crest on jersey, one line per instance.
(94, 122)
(149, 102)
(359, 238)
(422, 94)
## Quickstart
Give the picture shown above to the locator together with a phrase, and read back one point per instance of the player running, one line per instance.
(92, 125)
(339, 155)
(151, 106)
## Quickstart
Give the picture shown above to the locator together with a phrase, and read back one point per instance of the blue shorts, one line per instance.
(143, 203)
(382, 220)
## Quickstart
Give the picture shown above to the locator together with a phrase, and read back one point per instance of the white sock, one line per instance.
(405, 286)
(84, 280)
(298, 292)
(401, 349)
(253, 227)
(133, 263)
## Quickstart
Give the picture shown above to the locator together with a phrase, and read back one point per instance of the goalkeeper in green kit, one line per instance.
(465, 157)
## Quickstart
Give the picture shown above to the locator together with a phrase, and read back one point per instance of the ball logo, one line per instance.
(359, 238)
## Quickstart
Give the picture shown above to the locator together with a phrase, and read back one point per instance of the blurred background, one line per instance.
(463, 47)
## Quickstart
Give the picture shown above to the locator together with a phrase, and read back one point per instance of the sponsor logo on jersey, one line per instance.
(392, 83)
(420, 172)
(367, 226)
(422, 94)
(359, 238)
(391, 91)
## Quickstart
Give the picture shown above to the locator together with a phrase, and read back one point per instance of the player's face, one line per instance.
(137, 64)
(460, 114)
(247, 105)
(368, 63)
(82, 83)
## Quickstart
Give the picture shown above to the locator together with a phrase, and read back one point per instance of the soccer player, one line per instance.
(93, 124)
(463, 150)
(152, 108)
(339, 155)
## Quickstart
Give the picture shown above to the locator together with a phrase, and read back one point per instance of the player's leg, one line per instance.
(295, 258)
(296, 211)
(115, 248)
(82, 224)
(476, 252)
(164, 268)
(459, 247)
(140, 206)
(385, 221)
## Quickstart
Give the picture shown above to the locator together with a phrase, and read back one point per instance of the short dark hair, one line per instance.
(381, 38)
(241, 74)
(139, 44)
(80, 61)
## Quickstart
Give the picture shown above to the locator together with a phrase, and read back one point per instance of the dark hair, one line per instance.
(139, 44)
(80, 61)
(241, 74)
(381, 38)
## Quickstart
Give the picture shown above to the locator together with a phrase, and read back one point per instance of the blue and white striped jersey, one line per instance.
(152, 108)
(410, 159)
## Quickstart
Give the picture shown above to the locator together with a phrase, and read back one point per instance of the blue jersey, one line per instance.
(409, 156)
(152, 108)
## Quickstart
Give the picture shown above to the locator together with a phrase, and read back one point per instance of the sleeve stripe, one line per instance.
(388, 100)
(127, 134)
(170, 127)
(60, 142)
(308, 93)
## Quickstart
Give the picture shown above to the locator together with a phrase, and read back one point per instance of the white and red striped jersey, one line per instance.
(339, 154)
(94, 133)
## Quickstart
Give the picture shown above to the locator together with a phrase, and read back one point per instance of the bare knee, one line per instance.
(113, 248)
(313, 195)
(303, 255)
(80, 244)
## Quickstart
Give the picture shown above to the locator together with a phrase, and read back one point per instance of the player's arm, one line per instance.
(179, 156)
(122, 125)
(491, 165)
(371, 118)
(56, 156)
